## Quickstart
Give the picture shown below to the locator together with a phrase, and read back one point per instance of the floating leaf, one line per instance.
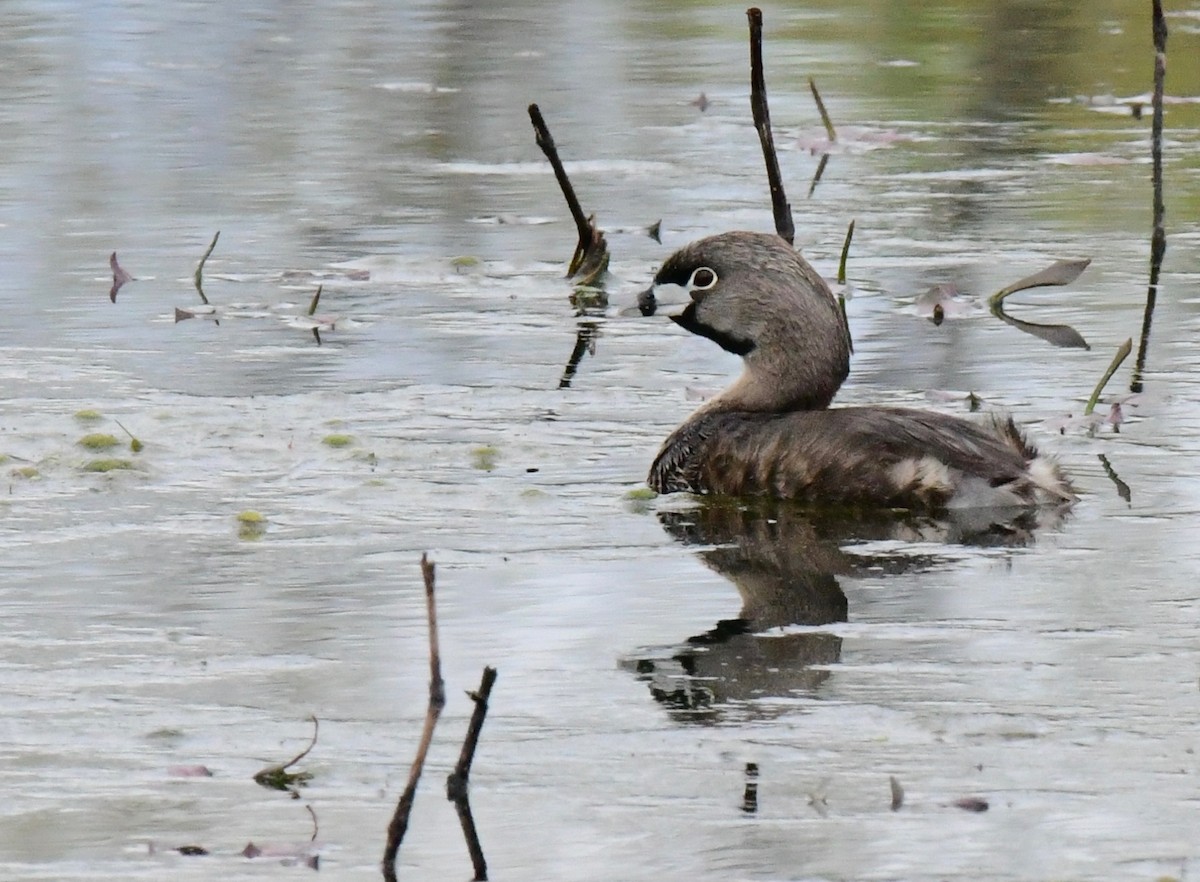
(897, 793)
(1061, 272)
(120, 277)
(972, 804)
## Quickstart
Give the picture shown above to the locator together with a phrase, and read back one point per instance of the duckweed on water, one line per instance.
(337, 440)
(98, 441)
(251, 524)
(107, 465)
(88, 415)
(484, 458)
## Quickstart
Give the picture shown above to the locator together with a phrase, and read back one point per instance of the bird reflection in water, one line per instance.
(786, 562)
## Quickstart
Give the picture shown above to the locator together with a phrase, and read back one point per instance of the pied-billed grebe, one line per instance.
(772, 432)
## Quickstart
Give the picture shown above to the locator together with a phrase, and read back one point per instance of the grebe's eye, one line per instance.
(702, 279)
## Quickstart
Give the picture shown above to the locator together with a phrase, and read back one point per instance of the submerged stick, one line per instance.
(780, 207)
(1158, 238)
(198, 277)
(458, 781)
(829, 129)
(1122, 353)
(591, 252)
(437, 700)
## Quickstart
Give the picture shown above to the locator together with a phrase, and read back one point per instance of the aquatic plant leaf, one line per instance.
(1061, 272)
(120, 277)
(1057, 335)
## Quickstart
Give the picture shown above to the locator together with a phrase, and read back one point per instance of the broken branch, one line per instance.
(437, 700)
(457, 784)
(780, 207)
(198, 277)
(590, 260)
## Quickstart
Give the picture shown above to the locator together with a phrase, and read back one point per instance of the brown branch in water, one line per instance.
(437, 700)
(278, 777)
(457, 784)
(780, 207)
(198, 277)
(590, 259)
(585, 343)
(1158, 238)
(829, 129)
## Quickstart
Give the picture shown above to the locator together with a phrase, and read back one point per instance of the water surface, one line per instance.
(643, 656)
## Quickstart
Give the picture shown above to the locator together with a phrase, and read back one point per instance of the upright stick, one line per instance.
(437, 700)
(781, 208)
(457, 783)
(1158, 238)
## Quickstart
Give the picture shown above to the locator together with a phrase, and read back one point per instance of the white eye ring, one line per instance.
(703, 278)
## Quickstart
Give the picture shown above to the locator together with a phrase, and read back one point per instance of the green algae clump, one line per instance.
(251, 524)
(88, 415)
(337, 440)
(484, 458)
(98, 441)
(641, 494)
(107, 464)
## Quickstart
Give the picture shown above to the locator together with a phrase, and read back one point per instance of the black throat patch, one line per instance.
(687, 320)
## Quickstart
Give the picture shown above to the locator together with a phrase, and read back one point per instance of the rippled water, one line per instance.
(647, 649)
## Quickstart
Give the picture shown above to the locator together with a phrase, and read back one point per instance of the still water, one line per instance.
(647, 649)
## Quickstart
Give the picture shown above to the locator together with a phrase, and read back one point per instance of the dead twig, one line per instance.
(780, 207)
(457, 784)
(198, 277)
(437, 700)
(278, 777)
(590, 260)
(1158, 238)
